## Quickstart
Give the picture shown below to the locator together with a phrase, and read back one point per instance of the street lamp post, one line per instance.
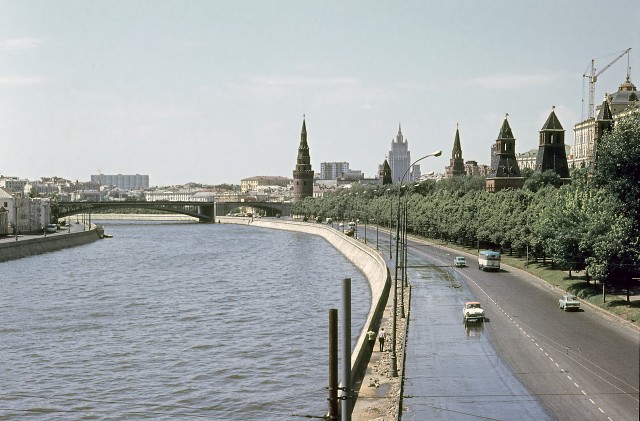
(394, 364)
(377, 218)
(390, 219)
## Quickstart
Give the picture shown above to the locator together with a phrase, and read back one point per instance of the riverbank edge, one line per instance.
(26, 247)
(370, 263)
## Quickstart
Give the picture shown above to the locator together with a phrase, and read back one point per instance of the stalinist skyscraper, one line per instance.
(303, 174)
(400, 159)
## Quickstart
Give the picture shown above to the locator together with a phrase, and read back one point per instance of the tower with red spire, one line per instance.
(303, 174)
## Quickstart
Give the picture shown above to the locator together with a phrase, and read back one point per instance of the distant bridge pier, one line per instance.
(208, 210)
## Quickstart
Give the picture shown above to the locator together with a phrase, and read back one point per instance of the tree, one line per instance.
(538, 180)
(617, 170)
(617, 166)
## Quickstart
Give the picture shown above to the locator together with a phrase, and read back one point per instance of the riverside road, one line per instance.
(528, 361)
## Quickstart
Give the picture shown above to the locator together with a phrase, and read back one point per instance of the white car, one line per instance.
(51, 228)
(569, 302)
(459, 261)
(472, 312)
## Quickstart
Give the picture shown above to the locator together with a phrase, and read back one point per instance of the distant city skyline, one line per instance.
(214, 91)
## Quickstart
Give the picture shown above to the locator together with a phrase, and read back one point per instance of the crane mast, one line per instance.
(593, 77)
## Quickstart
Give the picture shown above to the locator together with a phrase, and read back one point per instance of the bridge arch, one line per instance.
(205, 212)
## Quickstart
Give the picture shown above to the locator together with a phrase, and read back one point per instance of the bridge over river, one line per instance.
(204, 211)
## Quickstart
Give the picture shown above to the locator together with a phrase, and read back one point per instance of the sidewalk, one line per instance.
(379, 394)
(75, 227)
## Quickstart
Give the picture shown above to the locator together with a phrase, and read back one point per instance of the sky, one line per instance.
(215, 91)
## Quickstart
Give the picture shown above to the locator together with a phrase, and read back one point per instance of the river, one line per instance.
(173, 321)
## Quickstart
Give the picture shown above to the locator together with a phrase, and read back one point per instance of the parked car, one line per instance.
(569, 302)
(472, 312)
(52, 228)
(459, 261)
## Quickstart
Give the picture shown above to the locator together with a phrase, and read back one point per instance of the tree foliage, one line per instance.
(590, 224)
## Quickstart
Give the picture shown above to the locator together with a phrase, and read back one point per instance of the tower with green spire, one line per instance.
(303, 174)
(552, 154)
(456, 163)
(505, 172)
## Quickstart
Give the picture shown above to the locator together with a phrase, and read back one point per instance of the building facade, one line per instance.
(253, 183)
(13, 184)
(122, 181)
(472, 168)
(588, 133)
(399, 159)
(333, 170)
(23, 214)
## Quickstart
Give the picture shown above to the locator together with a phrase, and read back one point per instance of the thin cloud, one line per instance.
(20, 43)
(301, 81)
(511, 81)
(20, 80)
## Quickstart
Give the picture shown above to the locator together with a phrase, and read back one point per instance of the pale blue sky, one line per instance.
(214, 91)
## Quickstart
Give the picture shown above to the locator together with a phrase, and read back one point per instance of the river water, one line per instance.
(173, 321)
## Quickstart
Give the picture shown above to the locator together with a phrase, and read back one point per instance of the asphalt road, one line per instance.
(578, 365)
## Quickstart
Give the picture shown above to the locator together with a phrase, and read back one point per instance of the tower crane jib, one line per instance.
(593, 77)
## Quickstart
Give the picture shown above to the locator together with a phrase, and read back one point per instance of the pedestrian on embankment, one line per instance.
(381, 336)
(371, 337)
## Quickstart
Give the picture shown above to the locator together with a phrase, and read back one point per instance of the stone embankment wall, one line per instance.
(370, 262)
(25, 247)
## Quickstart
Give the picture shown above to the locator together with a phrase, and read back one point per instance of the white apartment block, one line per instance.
(123, 181)
(333, 170)
(13, 184)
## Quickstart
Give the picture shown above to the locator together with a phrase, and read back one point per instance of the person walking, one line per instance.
(371, 337)
(381, 337)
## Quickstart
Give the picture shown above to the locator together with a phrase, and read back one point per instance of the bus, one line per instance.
(489, 260)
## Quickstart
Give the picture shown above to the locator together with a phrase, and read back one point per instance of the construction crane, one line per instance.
(593, 77)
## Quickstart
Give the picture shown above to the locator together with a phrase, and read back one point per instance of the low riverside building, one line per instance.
(253, 183)
(24, 214)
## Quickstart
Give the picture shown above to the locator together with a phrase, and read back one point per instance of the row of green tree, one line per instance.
(591, 224)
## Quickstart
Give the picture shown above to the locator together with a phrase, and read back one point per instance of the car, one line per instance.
(569, 302)
(459, 261)
(472, 312)
(51, 228)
